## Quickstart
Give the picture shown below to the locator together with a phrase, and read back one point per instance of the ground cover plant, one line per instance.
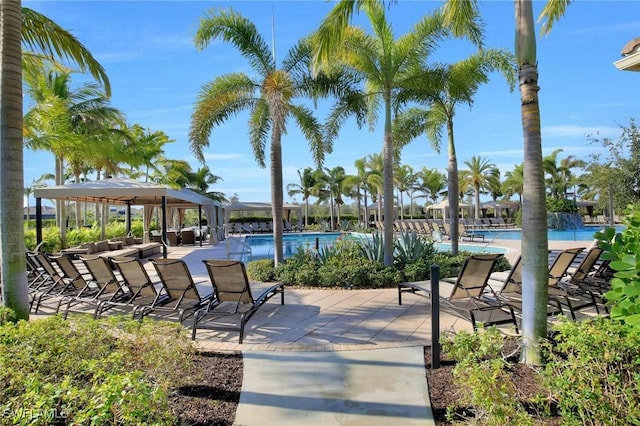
(591, 377)
(113, 371)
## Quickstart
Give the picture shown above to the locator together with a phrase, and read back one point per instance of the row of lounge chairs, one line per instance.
(481, 295)
(436, 229)
(123, 285)
(260, 227)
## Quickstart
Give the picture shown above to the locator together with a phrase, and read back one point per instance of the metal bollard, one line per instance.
(317, 243)
(435, 316)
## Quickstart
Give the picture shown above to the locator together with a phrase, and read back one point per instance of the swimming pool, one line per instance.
(262, 245)
(580, 234)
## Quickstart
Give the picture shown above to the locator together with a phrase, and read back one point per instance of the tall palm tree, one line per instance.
(513, 182)
(442, 89)
(404, 179)
(375, 167)
(304, 188)
(270, 98)
(12, 251)
(431, 183)
(41, 35)
(386, 65)
(534, 213)
(566, 165)
(69, 122)
(146, 147)
(479, 174)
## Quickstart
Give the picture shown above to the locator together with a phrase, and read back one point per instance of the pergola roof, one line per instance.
(123, 191)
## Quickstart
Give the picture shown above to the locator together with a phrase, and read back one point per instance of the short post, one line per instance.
(435, 316)
(317, 243)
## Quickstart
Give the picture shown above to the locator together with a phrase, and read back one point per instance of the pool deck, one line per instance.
(315, 319)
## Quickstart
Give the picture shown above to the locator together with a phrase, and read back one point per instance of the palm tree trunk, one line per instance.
(452, 176)
(534, 218)
(276, 194)
(387, 173)
(12, 251)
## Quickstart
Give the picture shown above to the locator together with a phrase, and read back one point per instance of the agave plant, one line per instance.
(373, 248)
(410, 247)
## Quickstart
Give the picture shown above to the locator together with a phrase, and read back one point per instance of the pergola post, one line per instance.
(165, 243)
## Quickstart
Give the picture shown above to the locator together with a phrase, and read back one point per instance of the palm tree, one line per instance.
(70, 123)
(146, 147)
(513, 182)
(431, 183)
(42, 35)
(534, 213)
(386, 65)
(304, 188)
(12, 251)
(478, 176)
(442, 89)
(404, 179)
(269, 98)
(375, 166)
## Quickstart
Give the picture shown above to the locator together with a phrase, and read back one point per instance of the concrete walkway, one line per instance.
(361, 387)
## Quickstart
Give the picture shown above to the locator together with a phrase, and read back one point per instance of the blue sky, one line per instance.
(156, 73)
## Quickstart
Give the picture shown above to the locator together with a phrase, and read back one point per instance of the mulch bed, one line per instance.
(213, 391)
(215, 380)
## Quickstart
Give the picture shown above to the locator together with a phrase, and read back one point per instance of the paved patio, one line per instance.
(331, 319)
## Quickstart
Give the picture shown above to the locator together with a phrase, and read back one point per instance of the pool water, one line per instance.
(580, 234)
(262, 245)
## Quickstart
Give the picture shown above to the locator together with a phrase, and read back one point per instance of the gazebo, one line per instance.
(444, 207)
(260, 207)
(129, 192)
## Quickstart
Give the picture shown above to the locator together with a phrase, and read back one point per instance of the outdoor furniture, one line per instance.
(142, 295)
(188, 236)
(232, 297)
(172, 238)
(184, 299)
(76, 287)
(463, 233)
(576, 298)
(104, 282)
(465, 294)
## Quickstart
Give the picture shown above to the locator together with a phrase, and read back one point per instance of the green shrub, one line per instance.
(593, 371)
(262, 270)
(410, 247)
(7, 315)
(622, 249)
(90, 372)
(482, 377)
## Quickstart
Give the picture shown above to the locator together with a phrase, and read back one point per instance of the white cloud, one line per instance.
(579, 131)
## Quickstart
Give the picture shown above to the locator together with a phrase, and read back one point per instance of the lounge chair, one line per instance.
(50, 282)
(184, 299)
(142, 295)
(471, 235)
(232, 297)
(465, 294)
(575, 298)
(507, 286)
(77, 288)
(103, 281)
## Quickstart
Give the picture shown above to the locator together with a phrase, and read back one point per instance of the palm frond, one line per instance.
(239, 31)
(41, 34)
(218, 100)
